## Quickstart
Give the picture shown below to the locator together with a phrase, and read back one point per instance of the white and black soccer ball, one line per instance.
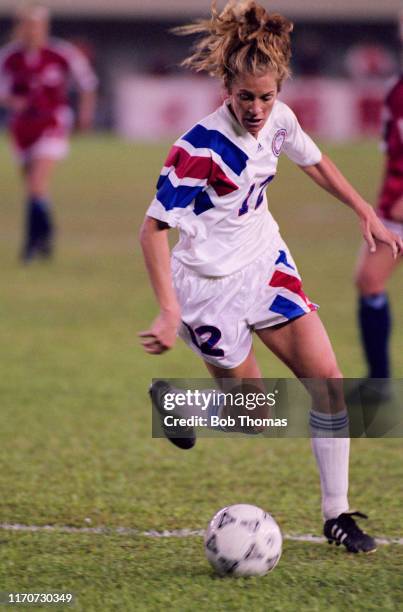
(243, 540)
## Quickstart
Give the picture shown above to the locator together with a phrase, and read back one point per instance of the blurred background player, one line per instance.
(374, 269)
(35, 75)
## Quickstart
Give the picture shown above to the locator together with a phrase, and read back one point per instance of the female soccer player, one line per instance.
(375, 269)
(231, 273)
(35, 73)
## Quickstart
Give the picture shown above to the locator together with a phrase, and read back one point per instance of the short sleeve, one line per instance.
(298, 146)
(183, 179)
(79, 66)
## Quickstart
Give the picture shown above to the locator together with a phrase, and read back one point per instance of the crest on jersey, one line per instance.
(52, 76)
(278, 141)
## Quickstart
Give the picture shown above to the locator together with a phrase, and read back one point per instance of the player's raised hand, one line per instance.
(162, 334)
(374, 230)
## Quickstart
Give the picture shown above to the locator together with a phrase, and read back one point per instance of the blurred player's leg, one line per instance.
(373, 271)
(39, 225)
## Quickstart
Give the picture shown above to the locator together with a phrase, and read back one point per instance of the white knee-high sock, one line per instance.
(332, 458)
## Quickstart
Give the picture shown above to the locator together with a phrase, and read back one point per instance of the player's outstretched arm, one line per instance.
(86, 110)
(161, 335)
(328, 176)
(86, 82)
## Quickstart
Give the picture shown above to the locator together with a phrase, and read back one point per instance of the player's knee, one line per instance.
(327, 390)
(330, 370)
(368, 283)
(336, 373)
(359, 280)
(336, 392)
(36, 188)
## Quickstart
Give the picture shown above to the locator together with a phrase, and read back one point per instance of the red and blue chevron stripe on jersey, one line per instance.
(291, 301)
(187, 173)
(202, 138)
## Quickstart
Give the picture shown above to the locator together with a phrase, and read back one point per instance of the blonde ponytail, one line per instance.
(243, 38)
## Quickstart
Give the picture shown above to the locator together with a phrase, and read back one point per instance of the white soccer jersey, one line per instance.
(212, 188)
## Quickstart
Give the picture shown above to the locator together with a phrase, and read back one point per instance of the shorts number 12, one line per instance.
(207, 346)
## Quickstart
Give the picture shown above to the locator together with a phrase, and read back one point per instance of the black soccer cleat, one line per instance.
(44, 248)
(28, 252)
(344, 530)
(182, 436)
(41, 247)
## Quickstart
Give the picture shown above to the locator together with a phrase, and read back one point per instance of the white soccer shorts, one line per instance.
(52, 144)
(45, 147)
(219, 314)
(394, 226)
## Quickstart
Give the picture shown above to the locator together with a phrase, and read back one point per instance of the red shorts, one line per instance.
(48, 137)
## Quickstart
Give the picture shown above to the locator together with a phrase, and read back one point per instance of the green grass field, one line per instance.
(75, 442)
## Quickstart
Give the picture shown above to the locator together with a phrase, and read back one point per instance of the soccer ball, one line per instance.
(243, 540)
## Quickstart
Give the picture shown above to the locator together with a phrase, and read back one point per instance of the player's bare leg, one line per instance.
(39, 231)
(247, 369)
(249, 373)
(303, 345)
(39, 175)
(249, 376)
(374, 269)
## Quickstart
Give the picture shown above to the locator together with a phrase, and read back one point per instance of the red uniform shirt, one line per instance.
(42, 79)
(392, 187)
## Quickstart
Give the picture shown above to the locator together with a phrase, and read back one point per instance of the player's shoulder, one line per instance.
(282, 113)
(215, 136)
(282, 123)
(62, 49)
(213, 131)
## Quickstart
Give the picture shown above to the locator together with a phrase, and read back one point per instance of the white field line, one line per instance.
(175, 533)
